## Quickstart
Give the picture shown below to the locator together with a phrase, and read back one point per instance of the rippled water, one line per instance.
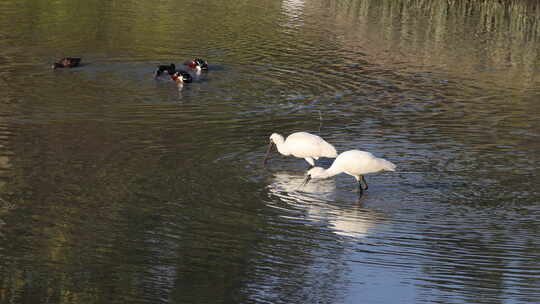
(118, 188)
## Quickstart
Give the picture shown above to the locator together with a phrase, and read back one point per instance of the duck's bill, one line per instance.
(267, 156)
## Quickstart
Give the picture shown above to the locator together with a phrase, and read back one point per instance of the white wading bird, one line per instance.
(302, 145)
(353, 162)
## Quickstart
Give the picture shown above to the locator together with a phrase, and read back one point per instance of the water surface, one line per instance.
(119, 188)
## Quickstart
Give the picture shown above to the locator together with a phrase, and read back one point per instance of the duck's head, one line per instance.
(181, 77)
(177, 77)
(202, 63)
(192, 64)
(197, 64)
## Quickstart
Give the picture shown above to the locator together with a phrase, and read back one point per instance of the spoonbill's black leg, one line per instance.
(360, 189)
(363, 180)
(311, 162)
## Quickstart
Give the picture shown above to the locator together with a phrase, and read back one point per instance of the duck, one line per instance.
(197, 64)
(67, 62)
(181, 77)
(170, 69)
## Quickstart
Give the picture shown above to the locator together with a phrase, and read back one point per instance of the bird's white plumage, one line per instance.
(303, 145)
(355, 163)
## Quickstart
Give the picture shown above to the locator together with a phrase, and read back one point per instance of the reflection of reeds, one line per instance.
(472, 35)
(5, 205)
(514, 15)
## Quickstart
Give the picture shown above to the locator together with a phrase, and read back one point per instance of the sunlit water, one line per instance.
(119, 188)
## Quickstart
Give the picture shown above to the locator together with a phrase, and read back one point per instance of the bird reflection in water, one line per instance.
(321, 202)
(180, 87)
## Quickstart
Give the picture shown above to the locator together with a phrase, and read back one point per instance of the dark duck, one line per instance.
(170, 69)
(67, 62)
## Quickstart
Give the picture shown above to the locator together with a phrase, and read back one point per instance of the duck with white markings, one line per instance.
(302, 145)
(197, 65)
(181, 77)
(355, 163)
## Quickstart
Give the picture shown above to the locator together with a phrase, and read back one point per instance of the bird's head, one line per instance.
(192, 64)
(178, 78)
(316, 173)
(276, 138)
(201, 63)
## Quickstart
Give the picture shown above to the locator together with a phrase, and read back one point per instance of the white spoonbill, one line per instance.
(353, 162)
(302, 145)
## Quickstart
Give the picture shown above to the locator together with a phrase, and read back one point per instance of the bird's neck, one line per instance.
(333, 170)
(282, 148)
